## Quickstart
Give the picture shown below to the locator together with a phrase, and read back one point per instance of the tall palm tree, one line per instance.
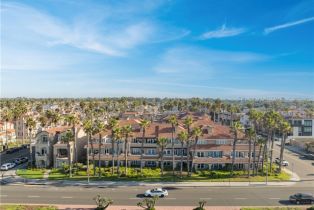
(88, 128)
(261, 142)
(162, 144)
(118, 135)
(127, 132)
(269, 122)
(73, 120)
(68, 138)
(112, 124)
(99, 128)
(43, 121)
(30, 124)
(235, 129)
(174, 122)
(250, 133)
(187, 123)
(285, 128)
(7, 116)
(183, 137)
(143, 124)
(196, 133)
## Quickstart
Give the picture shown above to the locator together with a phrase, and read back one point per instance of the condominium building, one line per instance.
(302, 127)
(212, 151)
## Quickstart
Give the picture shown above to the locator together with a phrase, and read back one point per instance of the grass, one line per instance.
(31, 173)
(153, 175)
(27, 207)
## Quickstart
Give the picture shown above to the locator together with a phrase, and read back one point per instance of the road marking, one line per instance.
(3, 195)
(274, 198)
(134, 198)
(170, 198)
(64, 197)
(206, 198)
(33, 196)
(240, 198)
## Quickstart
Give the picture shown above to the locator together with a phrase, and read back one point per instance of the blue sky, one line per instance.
(161, 48)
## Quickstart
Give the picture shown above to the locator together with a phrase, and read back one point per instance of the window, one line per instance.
(222, 141)
(215, 154)
(45, 139)
(151, 141)
(202, 142)
(151, 152)
(201, 166)
(200, 154)
(307, 122)
(307, 129)
(135, 163)
(167, 152)
(136, 151)
(150, 163)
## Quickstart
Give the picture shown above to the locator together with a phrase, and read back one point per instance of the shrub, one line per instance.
(148, 203)
(201, 205)
(310, 208)
(102, 202)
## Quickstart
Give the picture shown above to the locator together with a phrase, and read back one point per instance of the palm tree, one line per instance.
(285, 128)
(69, 137)
(196, 133)
(144, 124)
(250, 133)
(174, 122)
(88, 128)
(118, 135)
(187, 123)
(73, 120)
(30, 124)
(261, 142)
(111, 126)
(162, 144)
(183, 137)
(43, 121)
(127, 132)
(7, 116)
(99, 128)
(235, 129)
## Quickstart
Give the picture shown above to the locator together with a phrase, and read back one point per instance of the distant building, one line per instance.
(302, 127)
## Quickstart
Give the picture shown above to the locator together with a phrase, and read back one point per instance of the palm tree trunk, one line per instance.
(99, 161)
(69, 159)
(282, 147)
(162, 161)
(126, 156)
(264, 158)
(271, 152)
(172, 144)
(254, 157)
(258, 159)
(112, 153)
(88, 140)
(142, 151)
(75, 144)
(193, 155)
(181, 164)
(250, 155)
(188, 157)
(233, 154)
(118, 161)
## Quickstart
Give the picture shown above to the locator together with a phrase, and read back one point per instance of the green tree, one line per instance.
(235, 129)
(196, 133)
(174, 122)
(88, 128)
(187, 123)
(183, 138)
(285, 129)
(99, 128)
(68, 138)
(162, 144)
(127, 132)
(102, 202)
(148, 203)
(112, 124)
(250, 133)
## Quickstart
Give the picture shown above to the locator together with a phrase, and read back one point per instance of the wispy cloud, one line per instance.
(287, 25)
(187, 60)
(222, 32)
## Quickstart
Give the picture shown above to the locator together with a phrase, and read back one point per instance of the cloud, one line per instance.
(222, 32)
(189, 60)
(287, 25)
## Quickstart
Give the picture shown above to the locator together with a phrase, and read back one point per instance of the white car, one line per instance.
(156, 192)
(7, 166)
(284, 162)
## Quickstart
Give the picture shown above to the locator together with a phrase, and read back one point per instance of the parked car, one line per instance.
(18, 161)
(7, 166)
(284, 162)
(24, 159)
(309, 156)
(156, 192)
(301, 198)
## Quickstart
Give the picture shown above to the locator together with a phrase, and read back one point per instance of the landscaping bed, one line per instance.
(31, 173)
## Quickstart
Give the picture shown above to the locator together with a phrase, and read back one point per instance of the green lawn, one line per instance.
(31, 173)
(153, 175)
(28, 207)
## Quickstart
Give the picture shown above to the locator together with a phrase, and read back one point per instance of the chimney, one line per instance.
(157, 131)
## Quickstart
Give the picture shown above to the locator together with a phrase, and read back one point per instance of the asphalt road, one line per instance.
(187, 196)
(6, 158)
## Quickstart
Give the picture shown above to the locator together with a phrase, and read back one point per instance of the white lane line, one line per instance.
(274, 198)
(33, 196)
(170, 198)
(206, 198)
(65, 197)
(3, 195)
(240, 198)
(134, 198)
